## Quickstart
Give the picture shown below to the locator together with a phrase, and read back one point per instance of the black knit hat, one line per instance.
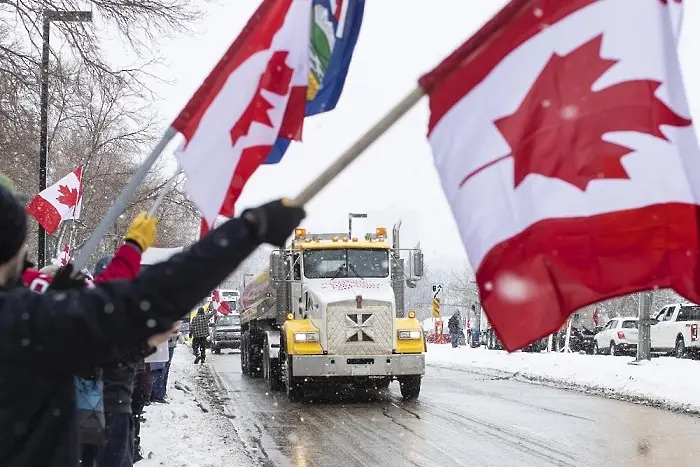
(13, 225)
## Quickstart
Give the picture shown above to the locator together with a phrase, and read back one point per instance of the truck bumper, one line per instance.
(358, 365)
(227, 344)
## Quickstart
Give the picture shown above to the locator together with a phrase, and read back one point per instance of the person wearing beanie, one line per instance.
(46, 339)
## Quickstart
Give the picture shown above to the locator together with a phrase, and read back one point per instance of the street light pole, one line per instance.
(49, 15)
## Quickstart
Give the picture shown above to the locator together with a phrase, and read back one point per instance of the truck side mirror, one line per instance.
(418, 263)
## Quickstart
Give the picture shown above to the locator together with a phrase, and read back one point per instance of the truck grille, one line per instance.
(360, 331)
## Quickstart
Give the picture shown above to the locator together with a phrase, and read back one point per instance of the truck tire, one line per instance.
(410, 386)
(295, 387)
(271, 371)
(245, 367)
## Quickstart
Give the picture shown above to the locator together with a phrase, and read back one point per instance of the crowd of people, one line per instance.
(75, 379)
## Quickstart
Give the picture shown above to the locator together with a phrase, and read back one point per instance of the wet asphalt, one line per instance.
(462, 418)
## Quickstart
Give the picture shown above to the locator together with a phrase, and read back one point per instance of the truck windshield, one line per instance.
(229, 321)
(329, 264)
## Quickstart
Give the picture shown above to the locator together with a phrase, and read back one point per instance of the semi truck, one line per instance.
(329, 310)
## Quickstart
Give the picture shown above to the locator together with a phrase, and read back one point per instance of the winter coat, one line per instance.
(453, 324)
(109, 388)
(199, 326)
(45, 339)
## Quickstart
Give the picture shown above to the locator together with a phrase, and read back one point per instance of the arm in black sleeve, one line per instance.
(66, 330)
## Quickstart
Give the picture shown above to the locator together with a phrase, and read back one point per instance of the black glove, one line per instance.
(66, 279)
(274, 222)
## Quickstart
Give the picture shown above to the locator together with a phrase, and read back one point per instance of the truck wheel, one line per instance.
(295, 388)
(410, 386)
(244, 356)
(680, 348)
(270, 369)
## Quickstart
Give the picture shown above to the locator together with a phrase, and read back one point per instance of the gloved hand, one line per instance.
(142, 231)
(274, 222)
(65, 279)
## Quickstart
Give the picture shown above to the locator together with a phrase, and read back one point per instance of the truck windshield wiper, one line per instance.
(352, 268)
(337, 273)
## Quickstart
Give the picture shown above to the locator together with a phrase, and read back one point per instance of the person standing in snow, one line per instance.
(45, 339)
(455, 328)
(160, 386)
(199, 331)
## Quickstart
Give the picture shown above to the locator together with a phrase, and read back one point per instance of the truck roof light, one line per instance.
(354, 239)
(300, 233)
(411, 314)
(381, 231)
(335, 239)
(345, 239)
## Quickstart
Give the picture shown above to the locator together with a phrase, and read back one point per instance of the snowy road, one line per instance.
(461, 419)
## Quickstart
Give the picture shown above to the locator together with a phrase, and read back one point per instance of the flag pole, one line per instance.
(119, 205)
(163, 193)
(372, 135)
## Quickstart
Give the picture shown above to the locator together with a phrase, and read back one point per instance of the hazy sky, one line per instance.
(395, 178)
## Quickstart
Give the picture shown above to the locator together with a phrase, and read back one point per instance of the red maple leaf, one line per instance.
(557, 130)
(665, 2)
(68, 197)
(276, 79)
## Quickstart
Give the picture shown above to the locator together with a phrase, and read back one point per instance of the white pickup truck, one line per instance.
(675, 330)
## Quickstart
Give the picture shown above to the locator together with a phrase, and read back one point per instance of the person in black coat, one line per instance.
(45, 339)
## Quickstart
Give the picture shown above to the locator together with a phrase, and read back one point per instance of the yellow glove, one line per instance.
(142, 231)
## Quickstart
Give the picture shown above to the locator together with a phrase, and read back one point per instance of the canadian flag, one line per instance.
(218, 305)
(256, 93)
(65, 255)
(564, 144)
(59, 202)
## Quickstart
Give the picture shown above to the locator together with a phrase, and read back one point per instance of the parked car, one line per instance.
(226, 333)
(618, 336)
(675, 330)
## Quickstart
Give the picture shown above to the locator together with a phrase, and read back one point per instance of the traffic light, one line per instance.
(436, 307)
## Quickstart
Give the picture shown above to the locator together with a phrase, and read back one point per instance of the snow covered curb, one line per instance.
(190, 430)
(664, 382)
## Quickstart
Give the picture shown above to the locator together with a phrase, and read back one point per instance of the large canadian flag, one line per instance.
(256, 93)
(565, 147)
(61, 201)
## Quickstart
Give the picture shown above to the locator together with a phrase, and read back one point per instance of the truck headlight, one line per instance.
(306, 337)
(409, 335)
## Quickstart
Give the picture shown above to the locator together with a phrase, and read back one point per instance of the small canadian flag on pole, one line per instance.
(255, 94)
(59, 202)
(563, 140)
(218, 305)
(65, 255)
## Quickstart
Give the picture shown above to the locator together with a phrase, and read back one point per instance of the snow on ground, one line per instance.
(667, 382)
(190, 430)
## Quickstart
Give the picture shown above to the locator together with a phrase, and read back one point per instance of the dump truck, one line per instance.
(326, 312)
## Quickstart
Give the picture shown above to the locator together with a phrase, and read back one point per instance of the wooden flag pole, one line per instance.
(347, 158)
(119, 205)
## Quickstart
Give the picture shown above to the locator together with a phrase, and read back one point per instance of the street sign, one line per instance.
(436, 307)
(437, 288)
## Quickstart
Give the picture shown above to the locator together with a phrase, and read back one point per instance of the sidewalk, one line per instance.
(664, 381)
(189, 431)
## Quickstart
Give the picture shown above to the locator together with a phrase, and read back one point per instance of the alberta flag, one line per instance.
(335, 27)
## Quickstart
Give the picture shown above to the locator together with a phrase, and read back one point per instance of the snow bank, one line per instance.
(667, 382)
(188, 431)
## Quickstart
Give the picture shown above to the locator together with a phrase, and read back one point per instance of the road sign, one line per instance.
(436, 307)
(437, 288)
